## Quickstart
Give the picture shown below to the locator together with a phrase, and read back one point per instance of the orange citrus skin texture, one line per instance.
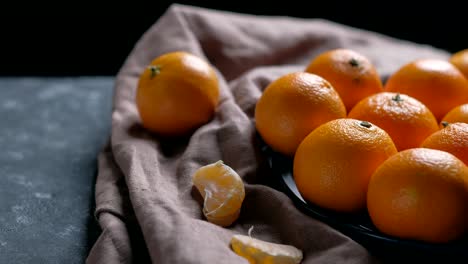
(334, 163)
(352, 75)
(460, 60)
(458, 114)
(453, 139)
(436, 83)
(404, 118)
(420, 194)
(294, 105)
(177, 93)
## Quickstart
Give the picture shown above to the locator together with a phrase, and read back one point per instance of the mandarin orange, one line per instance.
(458, 114)
(294, 105)
(404, 118)
(352, 74)
(420, 194)
(453, 139)
(177, 93)
(436, 83)
(334, 163)
(460, 60)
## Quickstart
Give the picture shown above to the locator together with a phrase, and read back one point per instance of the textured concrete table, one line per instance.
(51, 131)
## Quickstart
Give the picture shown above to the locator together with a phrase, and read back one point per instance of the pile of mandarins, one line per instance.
(398, 150)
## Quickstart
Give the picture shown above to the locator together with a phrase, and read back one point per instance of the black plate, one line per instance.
(359, 226)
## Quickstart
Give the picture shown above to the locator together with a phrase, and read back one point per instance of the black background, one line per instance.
(79, 38)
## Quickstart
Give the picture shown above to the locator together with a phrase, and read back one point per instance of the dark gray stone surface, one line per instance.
(51, 131)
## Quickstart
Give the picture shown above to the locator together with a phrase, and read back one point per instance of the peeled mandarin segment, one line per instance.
(258, 251)
(222, 190)
(223, 220)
